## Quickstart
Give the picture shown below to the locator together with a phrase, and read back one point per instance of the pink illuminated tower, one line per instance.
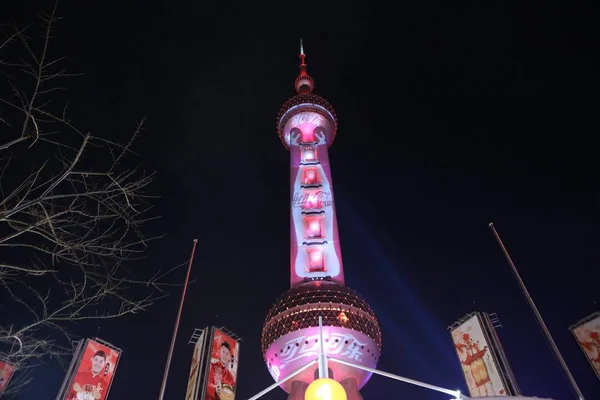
(307, 126)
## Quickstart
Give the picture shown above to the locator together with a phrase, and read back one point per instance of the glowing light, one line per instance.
(315, 260)
(312, 201)
(309, 155)
(325, 389)
(314, 228)
(310, 176)
(308, 137)
(316, 257)
(342, 317)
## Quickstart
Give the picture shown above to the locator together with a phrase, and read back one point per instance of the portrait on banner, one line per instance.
(222, 369)
(94, 375)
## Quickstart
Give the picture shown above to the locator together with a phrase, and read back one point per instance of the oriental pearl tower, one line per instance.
(307, 126)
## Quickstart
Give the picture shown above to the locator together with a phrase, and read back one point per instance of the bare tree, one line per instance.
(72, 209)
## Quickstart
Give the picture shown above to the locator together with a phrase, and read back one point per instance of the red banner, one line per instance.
(6, 372)
(222, 370)
(94, 374)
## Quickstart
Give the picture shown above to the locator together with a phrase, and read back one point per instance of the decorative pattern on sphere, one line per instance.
(319, 105)
(301, 307)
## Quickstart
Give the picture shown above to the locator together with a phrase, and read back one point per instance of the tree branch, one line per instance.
(73, 218)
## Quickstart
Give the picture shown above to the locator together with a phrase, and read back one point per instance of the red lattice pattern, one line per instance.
(301, 307)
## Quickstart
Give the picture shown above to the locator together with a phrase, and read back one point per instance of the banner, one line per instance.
(95, 372)
(587, 334)
(480, 367)
(222, 369)
(6, 372)
(195, 369)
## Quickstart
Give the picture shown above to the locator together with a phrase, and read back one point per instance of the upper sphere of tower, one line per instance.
(305, 101)
(308, 102)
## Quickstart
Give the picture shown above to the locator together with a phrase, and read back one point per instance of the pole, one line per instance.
(187, 278)
(281, 382)
(323, 368)
(455, 393)
(539, 318)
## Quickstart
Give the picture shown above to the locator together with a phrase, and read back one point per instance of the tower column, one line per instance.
(314, 241)
(292, 333)
(351, 389)
(298, 389)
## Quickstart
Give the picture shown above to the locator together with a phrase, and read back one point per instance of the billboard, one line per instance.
(221, 371)
(195, 369)
(92, 377)
(587, 334)
(6, 372)
(480, 366)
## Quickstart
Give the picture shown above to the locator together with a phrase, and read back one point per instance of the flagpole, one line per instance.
(187, 278)
(539, 318)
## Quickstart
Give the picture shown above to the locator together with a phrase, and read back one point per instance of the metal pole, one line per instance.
(539, 318)
(276, 384)
(323, 369)
(187, 278)
(455, 393)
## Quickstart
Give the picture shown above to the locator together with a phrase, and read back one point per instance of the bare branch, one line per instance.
(73, 210)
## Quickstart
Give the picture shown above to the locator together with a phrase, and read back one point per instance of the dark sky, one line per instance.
(451, 115)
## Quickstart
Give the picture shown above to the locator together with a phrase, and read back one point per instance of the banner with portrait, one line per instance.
(95, 371)
(221, 374)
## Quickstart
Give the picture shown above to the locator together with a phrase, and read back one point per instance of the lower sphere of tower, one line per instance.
(290, 337)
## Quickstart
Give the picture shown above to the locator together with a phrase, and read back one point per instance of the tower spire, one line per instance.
(304, 83)
(301, 50)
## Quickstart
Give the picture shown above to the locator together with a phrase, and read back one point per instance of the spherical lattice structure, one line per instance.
(304, 83)
(302, 103)
(291, 335)
(301, 307)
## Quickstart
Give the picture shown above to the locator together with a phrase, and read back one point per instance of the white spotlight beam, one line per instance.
(456, 393)
(287, 378)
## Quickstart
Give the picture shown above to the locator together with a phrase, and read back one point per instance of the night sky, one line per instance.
(451, 115)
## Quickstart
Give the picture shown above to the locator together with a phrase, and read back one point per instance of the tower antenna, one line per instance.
(304, 83)
(539, 318)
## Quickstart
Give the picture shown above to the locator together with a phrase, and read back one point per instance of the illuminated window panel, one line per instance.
(308, 137)
(313, 227)
(313, 200)
(309, 154)
(310, 176)
(316, 260)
